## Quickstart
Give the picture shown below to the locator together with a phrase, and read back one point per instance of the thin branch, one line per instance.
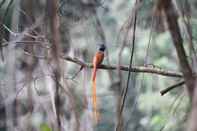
(38, 43)
(130, 63)
(26, 32)
(137, 69)
(149, 42)
(163, 92)
(124, 95)
(10, 31)
(2, 2)
(7, 10)
(73, 77)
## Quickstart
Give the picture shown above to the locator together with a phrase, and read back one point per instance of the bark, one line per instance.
(171, 18)
(54, 25)
(166, 7)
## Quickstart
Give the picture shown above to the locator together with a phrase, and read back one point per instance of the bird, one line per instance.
(97, 60)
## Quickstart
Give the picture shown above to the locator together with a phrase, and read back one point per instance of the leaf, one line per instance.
(45, 127)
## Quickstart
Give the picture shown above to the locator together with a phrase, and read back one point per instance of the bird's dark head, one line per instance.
(102, 47)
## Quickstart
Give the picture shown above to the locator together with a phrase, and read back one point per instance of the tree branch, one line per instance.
(163, 92)
(138, 69)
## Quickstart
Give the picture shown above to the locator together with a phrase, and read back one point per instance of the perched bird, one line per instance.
(97, 60)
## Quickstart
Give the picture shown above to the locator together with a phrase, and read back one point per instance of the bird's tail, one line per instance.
(94, 73)
(94, 98)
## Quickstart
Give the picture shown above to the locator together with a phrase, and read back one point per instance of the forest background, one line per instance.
(147, 81)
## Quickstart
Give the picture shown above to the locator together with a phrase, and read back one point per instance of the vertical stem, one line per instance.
(11, 69)
(119, 126)
(55, 23)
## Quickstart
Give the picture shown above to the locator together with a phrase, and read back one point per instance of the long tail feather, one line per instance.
(94, 73)
(94, 99)
(96, 114)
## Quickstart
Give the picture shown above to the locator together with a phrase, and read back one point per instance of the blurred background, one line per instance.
(30, 65)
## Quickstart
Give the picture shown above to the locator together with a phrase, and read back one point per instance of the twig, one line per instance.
(77, 73)
(7, 10)
(2, 2)
(38, 43)
(10, 31)
(163, 92)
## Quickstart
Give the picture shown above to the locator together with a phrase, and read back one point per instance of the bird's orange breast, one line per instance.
(98, 58)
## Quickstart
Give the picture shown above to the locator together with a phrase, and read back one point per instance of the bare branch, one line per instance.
(163, 92)
(137, 69)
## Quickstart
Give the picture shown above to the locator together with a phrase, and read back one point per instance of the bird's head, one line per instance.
(102, 47)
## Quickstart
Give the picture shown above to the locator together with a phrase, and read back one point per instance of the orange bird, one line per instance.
(97, 60)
